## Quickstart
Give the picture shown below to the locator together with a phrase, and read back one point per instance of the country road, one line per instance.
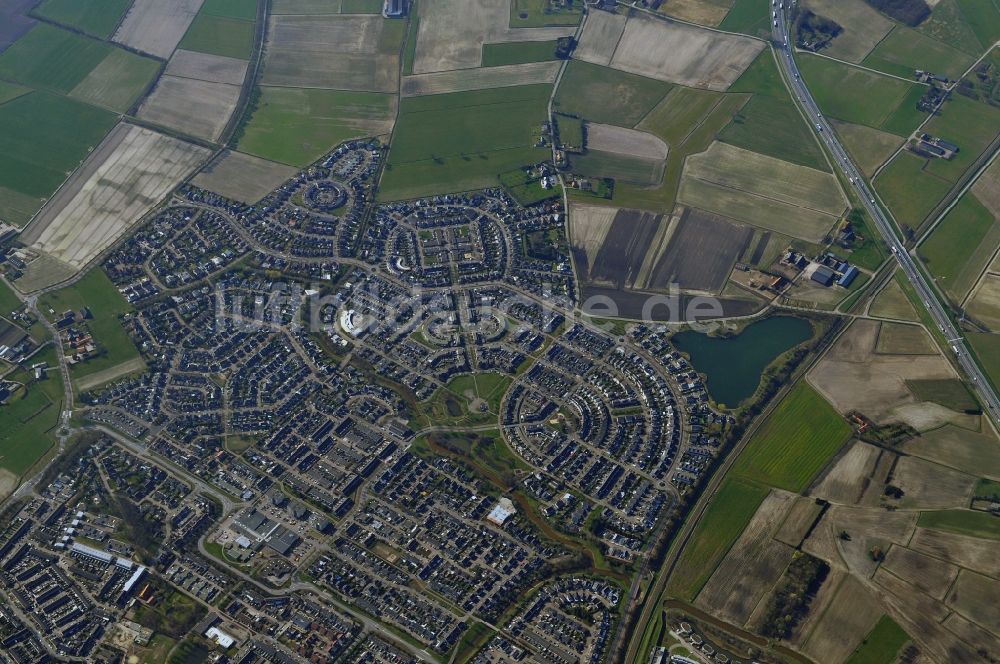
(886, 227)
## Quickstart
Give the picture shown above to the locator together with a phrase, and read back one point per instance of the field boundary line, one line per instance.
(860, 66)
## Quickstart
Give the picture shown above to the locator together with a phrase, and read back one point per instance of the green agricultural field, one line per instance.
(605, 95)
(570, 131)
(297, 126)
(25, 422)
(622, 168)
(987, 349)
(8, 300)
(107, 305)
(964, 522)
(118, 81)
(795, 442)
(949, 250)
(947, 25)
(219, 35)
(853, 94)
(906, 117)
(774, 127)
(949, 392)
(983, 18)
(727, 515)
(44, 138)
(761, 78)
(361, 7)
(10, 91)
(904, 50)
(909, 191)
(750, 17)
(882, 645)
(242, 9)
(95, 17)
(516, 53)
(679, 113)
(463, 140)
(542, 13)
(969, 124)
(51, 58)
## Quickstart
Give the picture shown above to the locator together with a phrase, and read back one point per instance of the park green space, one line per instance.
(909, 190)
(454, 404)
(798, 439)
(296, 126)
(959, 248)
(516, 53)
(95, 17)
(903, 50)
(964, 522)
(881, 645)
(44, 137)
(463, 140)
(724, 519)
(857, 95)
(219, 35)
(96, 292)
(605, 95)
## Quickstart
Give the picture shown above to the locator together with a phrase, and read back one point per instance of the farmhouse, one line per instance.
(394, 8)
(822, 275)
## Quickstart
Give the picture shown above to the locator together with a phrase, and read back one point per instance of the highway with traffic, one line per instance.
(886, 227)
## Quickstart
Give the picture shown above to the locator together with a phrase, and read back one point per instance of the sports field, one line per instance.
(297, 126)
(727, 515)
(602, 94)
(95, 17)
(44, 137)
(463, 140)
(797, 440)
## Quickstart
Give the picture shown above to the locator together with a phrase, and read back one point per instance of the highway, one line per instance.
(885, 226)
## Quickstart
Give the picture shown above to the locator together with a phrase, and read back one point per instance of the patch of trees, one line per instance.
(814, 31)
(790, 602)
(140, 531)
(564, 47)
(909, 12)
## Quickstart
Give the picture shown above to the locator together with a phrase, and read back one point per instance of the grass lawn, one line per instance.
(725, 518)
(853, 94)
(969, 124)
(463, 140)
(157, 650)
(242, 9)
(904, 50)
(106, 304)
(472, 641)
(948, 250)
(516, 53)
(909, 191)
(95, 17)
(963, 522)
(296, 126)
(749, 17)
(219, 35)
(795, 442)
(44, 138)
(455, 403)
(773, 126)
(882, 644)
(605, 95)
(949, 392)
(52, 58)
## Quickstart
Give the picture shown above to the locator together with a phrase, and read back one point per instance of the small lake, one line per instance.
(733, 365)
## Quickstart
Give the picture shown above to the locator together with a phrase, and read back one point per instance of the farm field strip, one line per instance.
(478, 79)
(157, 26)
